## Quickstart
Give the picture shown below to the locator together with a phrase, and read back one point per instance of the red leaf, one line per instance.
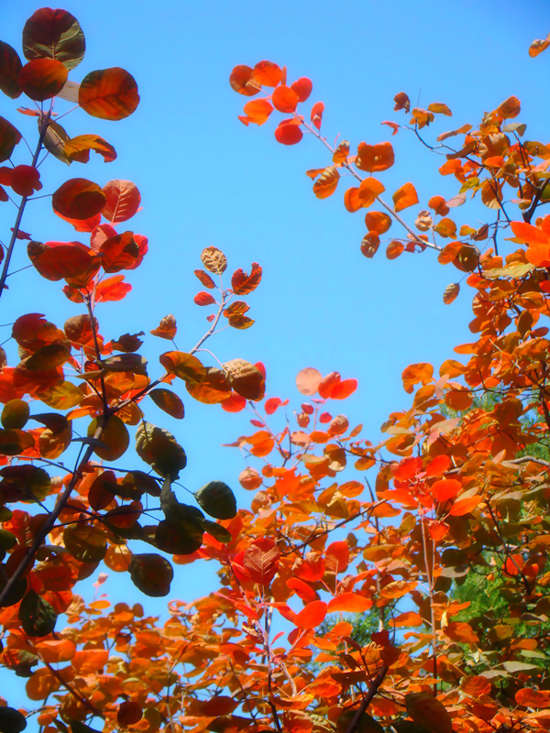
(78, 198)
(122, 200)
(285, 99)
(312, 615)
(242, 82)
(288, 132)
(394, 126)
(204, 298)
(205, 279)
(43, 78)
(317, 114)
(261, 560)
(242, 283)
(302, 589)
(268, 74)
(70, 260)
(257, 111)
(123, 252)
(235, 403)
(273, 403)
(302, 87)
(350, 603)
(332, 387)
(112, 288)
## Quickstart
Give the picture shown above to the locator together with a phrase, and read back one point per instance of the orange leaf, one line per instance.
(511, 107)
(405, 196)
(110, 94)
(445, 488)
(352, 201)
(402, 101)
(465, 506)
(394, 249)
(439, 205)
(312, 615)
(415, 373)
(285, 99)
(369, 189)
(450, 293)
(327, 182)
(268, 74)
(538, 46)
(377, 222)
(56, 650)
(531, 698)
(43, 78)
(461, 631)
(375, 157)
(349, 603)
(89, 661)
(258, 111)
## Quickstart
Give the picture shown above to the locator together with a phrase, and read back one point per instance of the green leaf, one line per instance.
(37, 616)
(217, 531)
(15, 414)
(151, 573)
(160, 449)
(217, 499)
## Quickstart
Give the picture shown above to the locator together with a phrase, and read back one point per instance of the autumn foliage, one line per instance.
(336, 524)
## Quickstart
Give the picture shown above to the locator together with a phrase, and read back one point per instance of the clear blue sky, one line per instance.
(206, 179)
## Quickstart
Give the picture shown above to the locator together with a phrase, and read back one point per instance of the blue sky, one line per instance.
(206, 179)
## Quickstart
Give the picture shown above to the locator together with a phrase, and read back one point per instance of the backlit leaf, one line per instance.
(285, 99)
(185, 366)
(312, 615)
(326, 183)
(78, 148)
(405, 196)
(261, 560)
(114, 438)
(289, 132)
(212, 389)
(214, 260)
(349, 603)
(257, 111)
(244, 284)
(450, 293)
(54, 34)
(168, 401)
(242, 81)
(110, 94)
(373, 158)
(85, 542)
(43, 78)
(78, 198)
(122, 200)
(166, 329)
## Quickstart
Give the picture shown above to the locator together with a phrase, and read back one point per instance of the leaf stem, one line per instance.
(43, 122)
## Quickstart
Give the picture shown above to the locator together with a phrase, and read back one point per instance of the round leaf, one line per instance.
(37, 616)
(78, 198)
(151, 573)
(114, 438)
(54, 34)
(15, 414)
(217, 499)
(110, 94)
(168, 401)
(42, 79)
(85, 542)
(10, 66)
(160, 449)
